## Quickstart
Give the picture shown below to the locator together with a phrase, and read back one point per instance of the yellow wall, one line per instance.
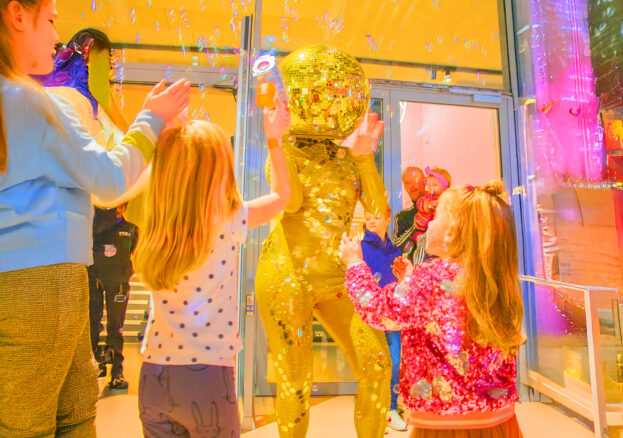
(218, 105)
(458, 33)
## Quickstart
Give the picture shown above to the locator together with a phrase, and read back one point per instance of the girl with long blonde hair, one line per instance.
(460, 314)
(49, 166)
(194, 223)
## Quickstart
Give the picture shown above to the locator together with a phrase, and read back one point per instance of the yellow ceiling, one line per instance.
(462, 33)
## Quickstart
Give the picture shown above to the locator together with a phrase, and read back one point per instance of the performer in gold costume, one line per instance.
(300, 274)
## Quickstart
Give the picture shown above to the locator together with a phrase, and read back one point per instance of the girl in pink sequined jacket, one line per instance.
(460, 315)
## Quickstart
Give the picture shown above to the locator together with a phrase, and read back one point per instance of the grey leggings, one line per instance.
(190, 401)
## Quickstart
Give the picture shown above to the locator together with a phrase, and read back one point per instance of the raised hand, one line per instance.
(350, 250)
(368, 137)
(168, 102)
(402, 267)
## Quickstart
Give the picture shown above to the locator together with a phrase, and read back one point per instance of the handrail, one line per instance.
(556, 283)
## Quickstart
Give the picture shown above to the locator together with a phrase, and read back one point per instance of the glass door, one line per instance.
(469, 133)
(462, 140)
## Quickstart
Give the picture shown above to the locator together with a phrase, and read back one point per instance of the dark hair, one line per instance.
(100, 40)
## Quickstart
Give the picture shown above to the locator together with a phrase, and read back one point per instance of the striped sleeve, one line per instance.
(142, 133)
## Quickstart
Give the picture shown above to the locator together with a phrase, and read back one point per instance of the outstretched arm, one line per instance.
(373, 193)
(296, 191)
(397, 306)
(90, 167)
(135, 189)
(264, 208)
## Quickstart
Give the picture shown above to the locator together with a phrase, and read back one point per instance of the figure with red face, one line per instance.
(414, 183)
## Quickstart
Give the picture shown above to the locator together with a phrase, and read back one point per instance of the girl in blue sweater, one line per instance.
(49, 167)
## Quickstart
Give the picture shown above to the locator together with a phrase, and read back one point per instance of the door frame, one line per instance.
(511, 159)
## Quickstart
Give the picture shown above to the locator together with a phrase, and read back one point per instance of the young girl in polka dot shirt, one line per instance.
(195, 220)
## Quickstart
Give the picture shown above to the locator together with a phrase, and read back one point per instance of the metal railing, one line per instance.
(594, 409)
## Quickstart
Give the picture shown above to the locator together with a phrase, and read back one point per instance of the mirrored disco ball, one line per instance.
(328, 89)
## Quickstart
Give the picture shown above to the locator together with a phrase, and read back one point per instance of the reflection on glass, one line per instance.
(376, 106)
(562, 345)
(463, 140)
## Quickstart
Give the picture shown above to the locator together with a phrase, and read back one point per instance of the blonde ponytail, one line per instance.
(496, 188)
(486, 245)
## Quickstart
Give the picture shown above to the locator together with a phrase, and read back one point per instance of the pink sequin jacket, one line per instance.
(442, 370)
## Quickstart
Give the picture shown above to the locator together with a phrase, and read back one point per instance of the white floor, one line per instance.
(117, 417)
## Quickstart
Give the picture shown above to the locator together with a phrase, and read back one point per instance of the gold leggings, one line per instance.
(287, 303)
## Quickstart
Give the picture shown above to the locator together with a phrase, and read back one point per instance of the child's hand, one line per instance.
(168, 102)
(276, 120)
(350, 250)
(367, 139)
(402, 268)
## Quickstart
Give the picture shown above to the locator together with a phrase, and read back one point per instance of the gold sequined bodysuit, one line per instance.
(300, 276)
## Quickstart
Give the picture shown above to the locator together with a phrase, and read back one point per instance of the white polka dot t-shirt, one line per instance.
(197, 321)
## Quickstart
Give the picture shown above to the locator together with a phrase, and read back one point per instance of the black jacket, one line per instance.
(403, 230)
(114, 241)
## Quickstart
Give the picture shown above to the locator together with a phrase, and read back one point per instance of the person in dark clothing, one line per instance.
(114, 241)
(414, 182)
(379, 254)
